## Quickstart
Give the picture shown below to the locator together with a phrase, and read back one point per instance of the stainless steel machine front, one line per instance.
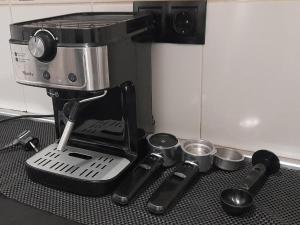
(73, 68)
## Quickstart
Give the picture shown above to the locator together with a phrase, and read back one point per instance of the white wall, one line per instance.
(242, 87)
(251, 77)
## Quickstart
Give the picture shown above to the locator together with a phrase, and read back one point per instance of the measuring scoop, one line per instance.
(240, 200)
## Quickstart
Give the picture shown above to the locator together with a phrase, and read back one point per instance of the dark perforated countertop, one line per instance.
(277, 203)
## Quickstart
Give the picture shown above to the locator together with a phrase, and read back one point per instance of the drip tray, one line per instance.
(78, 163)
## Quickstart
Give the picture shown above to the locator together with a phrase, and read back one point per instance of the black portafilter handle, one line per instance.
(136, 178)
(198, 157)
(164, 149)
(172, 188)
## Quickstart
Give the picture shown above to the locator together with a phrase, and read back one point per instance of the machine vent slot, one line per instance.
(74, 170)
(92, 164)
(80, 156)
(95, 174)
(56, 156)
(59, 166)
(54, 165)
(52, 154)
(103, 167)
(37, 160)
(69, 169)
(47, 162)
(83, 172)
(64, 167)
(89, 173)
(42, 161)
(98, 165)
(47, 153)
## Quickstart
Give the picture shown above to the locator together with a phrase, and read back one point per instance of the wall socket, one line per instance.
(175, 21)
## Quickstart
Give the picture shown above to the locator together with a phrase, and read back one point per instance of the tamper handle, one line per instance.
(255, 177)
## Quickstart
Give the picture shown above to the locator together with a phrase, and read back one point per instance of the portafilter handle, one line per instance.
(161, 156)
(172, 188)
(136, 178)
(198, 157)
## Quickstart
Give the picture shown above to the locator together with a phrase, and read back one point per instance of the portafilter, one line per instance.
(164, 153)
(197, 157)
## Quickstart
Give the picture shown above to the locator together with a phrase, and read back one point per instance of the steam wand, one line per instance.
(71, 120)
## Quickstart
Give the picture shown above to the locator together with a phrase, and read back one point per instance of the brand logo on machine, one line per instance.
(27, 73)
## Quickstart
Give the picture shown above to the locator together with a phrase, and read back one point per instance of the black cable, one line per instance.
(7, 147)
(25, 139)
(24, 116)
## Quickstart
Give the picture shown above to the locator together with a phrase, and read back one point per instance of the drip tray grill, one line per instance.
(78, 163)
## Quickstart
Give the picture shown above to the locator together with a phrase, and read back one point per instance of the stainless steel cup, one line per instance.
(200, 152)
(228, 159)
(165, 145)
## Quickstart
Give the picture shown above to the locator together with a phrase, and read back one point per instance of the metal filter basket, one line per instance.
(228, 159)
(200, 152)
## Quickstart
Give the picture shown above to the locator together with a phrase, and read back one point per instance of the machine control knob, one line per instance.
(42, 45)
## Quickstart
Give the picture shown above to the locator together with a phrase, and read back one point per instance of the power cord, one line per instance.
(25, 116)
(25, 139)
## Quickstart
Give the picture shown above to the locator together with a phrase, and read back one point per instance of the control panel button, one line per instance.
(46, 75)
(72, 77)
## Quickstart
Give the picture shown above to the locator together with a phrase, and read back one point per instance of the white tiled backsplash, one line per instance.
(241, 89)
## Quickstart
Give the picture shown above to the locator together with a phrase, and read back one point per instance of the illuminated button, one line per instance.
(72, 77)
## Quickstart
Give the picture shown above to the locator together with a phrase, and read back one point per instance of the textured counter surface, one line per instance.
(278, 202)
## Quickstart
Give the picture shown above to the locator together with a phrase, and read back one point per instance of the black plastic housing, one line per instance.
(92, 28)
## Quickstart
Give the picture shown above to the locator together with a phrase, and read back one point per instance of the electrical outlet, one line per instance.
(176, 21)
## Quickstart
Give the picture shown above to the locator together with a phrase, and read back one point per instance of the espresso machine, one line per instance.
(99, 80)
(96, 67)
